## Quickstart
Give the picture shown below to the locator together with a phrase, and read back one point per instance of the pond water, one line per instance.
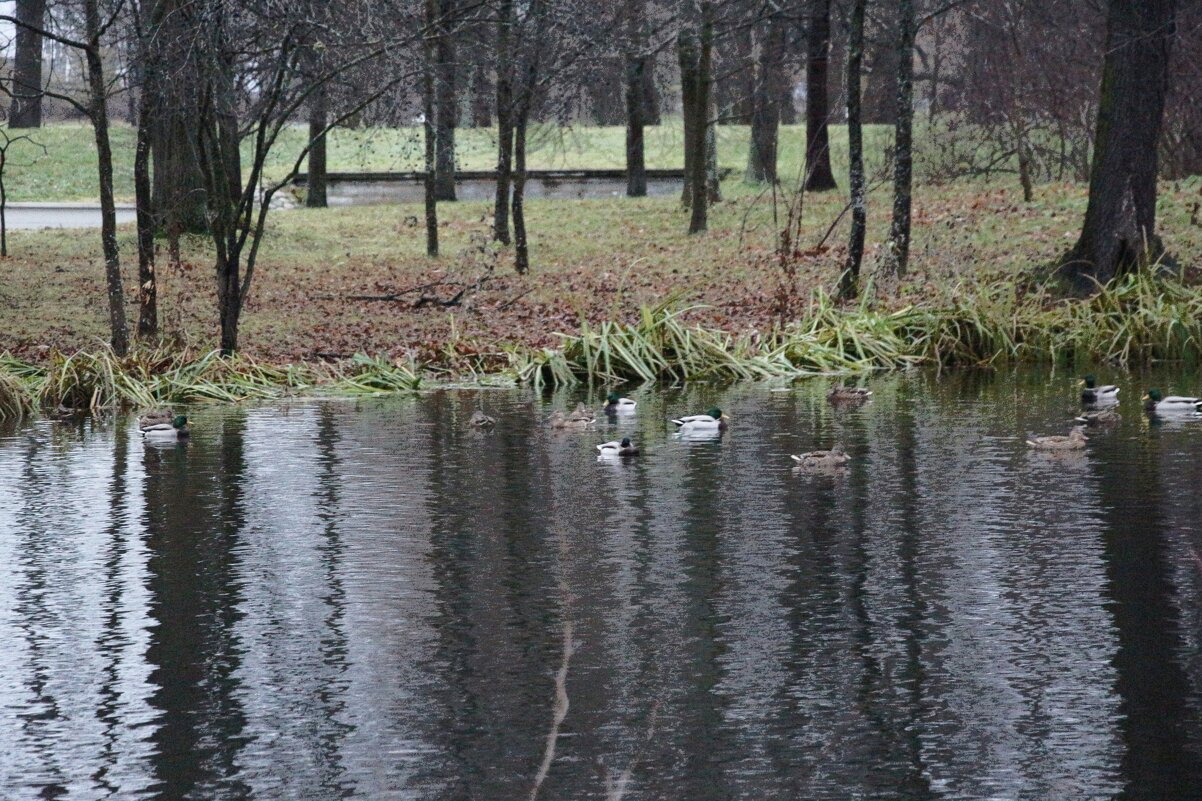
(337, 599)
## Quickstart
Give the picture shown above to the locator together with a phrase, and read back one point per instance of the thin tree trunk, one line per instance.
(504, 121)
(429, 56)
(686, 50)
(850, 281)
(713, 186)
(26, 108)
(104, 160)
(317, 181)
(819, 176)
(766, 98)
(706, 148)
(1119, 231)
(650, 108)
(903, 171)
(521, 256)
(148, 312)
(636, 62)
(445, 76)
(3, 207)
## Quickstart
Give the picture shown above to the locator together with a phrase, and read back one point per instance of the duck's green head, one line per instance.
(180, 421)
(1090, 381)
(1153, 395)
(625, 442)
(715, 413)
(613, 397)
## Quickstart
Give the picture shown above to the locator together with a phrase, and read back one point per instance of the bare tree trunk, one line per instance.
(504, 121)
(713, 186)
(903, 171)
(695, 50)
(26, 108)
(148, 310)
(445, 76)
(819, 176)
(430, 56)
(850, 281)
(766, 99)
(521, 255)
(650, 108)
(483, 96)
(1119, 231)
(636, 64)
(104, 160)
(317, 181)
(179, 197)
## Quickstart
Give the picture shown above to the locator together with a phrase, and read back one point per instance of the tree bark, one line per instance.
(504, 59)
(1119, 231)
(446, 110)
(317, 181)
(766, 98)
(521, 254)
(483, 96)
(148, 309)
(850, 281)
(531, 63)
(430, 64)
(903, 170)
(104, 159)
(818, 174)
(651, 110)
(179, 197)
(26, 108)
(636, 97)
(704, 141)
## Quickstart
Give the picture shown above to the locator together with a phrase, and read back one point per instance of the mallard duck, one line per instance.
(835, 457)
(1173, 404)
(559, 421)
(177, 429)
(839, 395)
(157, 417)
(480, 420)
(582, 412)
(1093, 395)
(616, 404)
(1074, 441)
(713, 420)
(616, 448)
(1106, 417)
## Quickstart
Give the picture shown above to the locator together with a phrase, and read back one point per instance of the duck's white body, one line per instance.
(617, 448)
(1177, 404)
(163, 432)
(1106, 395)
(621, 406)
(699, 422)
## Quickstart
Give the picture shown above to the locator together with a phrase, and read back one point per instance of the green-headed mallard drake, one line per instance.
(1074, 441)
(480, 420)
(713, 420)
(623, 448)
(1093, 395)
(615, 404)
(560, 421)
(1173, 404)
(835, 457)
(848, 395)
(1106, 417)
(177, 429)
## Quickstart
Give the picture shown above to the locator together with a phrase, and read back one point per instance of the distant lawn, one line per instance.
(66, 169)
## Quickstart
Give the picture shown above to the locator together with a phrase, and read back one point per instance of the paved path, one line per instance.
(60, 215)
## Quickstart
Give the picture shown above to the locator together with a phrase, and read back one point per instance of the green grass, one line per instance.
(61, 163)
